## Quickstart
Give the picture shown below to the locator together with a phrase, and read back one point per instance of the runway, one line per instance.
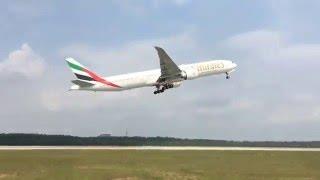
(161, 148)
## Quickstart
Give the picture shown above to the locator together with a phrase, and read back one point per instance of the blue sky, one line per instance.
(116, 22)
(272, 96)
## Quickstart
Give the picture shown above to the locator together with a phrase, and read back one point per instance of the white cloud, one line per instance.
(273, 46)
(274, 65)
(295, 17)
(140, 9)
(62, 100)
(23, 61)
(261, 43)
(30, 9)
(256, 39)
(130, 57)
(131, 7)
(180, 2)
(302, 52)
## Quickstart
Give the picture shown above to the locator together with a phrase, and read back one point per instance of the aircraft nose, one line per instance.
(234, 65)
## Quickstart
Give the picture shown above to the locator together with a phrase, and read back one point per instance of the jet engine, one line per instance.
(189, 73)
(176, 84)
(184, 75)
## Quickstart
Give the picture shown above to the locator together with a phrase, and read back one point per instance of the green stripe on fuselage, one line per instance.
(73, 66)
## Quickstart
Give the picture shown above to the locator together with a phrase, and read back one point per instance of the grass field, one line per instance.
(131, 164)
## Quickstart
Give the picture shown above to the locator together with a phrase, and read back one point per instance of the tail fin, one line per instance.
(80, 71)
(84, 74)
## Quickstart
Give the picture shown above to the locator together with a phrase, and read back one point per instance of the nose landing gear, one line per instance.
(227, 75)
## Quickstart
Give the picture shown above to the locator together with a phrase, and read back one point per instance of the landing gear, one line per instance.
(158, 91)
(227, 75)
(163, 88)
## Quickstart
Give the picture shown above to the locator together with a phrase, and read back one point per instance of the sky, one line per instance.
(273, 95)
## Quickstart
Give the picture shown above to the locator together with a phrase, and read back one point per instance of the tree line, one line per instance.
(60, 140)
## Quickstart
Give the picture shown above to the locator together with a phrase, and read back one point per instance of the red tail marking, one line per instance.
(99, 79)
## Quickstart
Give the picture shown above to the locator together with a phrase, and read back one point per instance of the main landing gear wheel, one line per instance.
(158, 91)
(163, 88)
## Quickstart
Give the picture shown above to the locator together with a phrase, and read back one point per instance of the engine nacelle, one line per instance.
(176, 84)
(190, 73)
(184, 75)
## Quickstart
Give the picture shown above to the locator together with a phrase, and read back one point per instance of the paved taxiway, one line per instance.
(165, 148)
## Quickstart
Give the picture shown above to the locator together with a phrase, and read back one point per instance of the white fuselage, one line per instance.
(149, 78)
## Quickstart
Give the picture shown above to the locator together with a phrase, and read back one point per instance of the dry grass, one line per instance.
(7, 176)
(135, 165)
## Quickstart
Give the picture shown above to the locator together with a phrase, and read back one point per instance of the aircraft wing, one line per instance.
(169, 70)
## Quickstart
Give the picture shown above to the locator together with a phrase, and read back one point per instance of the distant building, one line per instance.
(104, 135)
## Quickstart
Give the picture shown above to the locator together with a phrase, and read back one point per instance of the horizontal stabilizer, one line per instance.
(82, 83)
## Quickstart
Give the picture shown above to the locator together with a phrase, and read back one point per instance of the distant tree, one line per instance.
(57, 140)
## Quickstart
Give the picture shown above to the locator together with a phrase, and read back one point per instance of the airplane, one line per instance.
(168, 76)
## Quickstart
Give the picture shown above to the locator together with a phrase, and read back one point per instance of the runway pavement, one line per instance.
(164, 148)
